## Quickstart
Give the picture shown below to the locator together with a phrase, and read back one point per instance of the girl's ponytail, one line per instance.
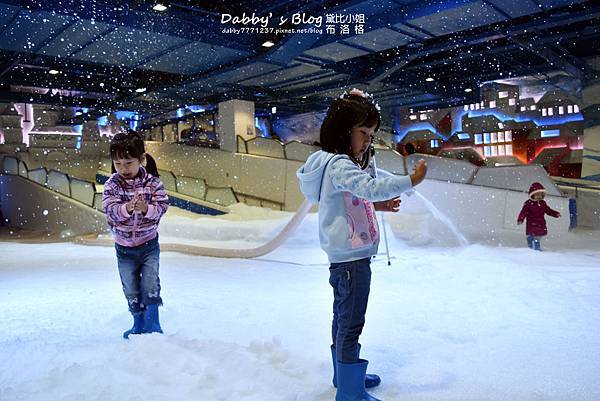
(151, 165)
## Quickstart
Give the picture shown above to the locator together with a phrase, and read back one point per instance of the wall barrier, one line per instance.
(39, 175)
(443, 169)
(59, 182)
(83, 191)
(221, 196)
(517, 178)
(264, 171)
(190, 186)
(168, 179)
(186, 200)
(75, 188)
(299, 151)
(10, 165)
(265, 147)
(261, 172)
(390, 160)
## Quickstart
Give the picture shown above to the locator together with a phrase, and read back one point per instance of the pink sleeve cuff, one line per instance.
(123, 210)
(152, 212)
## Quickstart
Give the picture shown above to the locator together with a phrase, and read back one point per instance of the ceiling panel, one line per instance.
(458, 19)
(285, 74)
(235, 75)
(127, 47)
(195, 57)
(6, 14)
(30, 29)
(317, 82)
(516, 8)
(335, 52)
(380, 39)
(73, 38)
(557, 3)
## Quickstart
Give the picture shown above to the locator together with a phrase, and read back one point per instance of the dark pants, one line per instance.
(138, 268)
(351, 282)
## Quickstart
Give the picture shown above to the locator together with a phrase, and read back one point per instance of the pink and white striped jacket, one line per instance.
(134, 229)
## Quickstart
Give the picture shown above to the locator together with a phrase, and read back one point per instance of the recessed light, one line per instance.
(429, 79)
(140, 90)
(273, 110)
(468, 90)
(268, 43)
(53, 72)
(159, 7)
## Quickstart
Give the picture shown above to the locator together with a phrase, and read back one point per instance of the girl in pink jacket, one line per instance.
(134, 200)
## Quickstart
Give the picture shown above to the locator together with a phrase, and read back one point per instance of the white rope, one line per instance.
(270, 246)
(382, 214)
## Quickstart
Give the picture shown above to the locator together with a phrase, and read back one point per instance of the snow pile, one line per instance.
(444, 323)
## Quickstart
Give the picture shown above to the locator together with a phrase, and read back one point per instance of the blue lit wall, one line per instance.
(500, 115)
(457, 121)
(132, 117)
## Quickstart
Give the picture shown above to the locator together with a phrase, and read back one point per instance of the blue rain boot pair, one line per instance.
(138, 325)
(370, 379)
(530, 241)
(351, 382)
(151, 322)
(536, 245)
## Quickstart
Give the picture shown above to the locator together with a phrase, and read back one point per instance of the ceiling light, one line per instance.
(53, 72)
(140, 90)
(273, 110)
(468, 90)
(429, 79)
(159, 7)
(268, 43)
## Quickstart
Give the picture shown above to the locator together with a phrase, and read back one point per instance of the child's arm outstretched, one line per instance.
(347, 176)
(551, 212)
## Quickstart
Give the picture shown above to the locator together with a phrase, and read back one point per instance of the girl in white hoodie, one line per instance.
(341, 178)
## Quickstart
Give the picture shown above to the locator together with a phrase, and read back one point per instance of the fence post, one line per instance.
(572, 213)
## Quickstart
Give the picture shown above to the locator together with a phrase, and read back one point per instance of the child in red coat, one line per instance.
(534, 211)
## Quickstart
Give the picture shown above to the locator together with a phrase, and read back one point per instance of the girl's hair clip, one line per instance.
(358, 92)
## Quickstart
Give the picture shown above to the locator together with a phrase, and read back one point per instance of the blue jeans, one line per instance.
(351, 282)
(138, 268)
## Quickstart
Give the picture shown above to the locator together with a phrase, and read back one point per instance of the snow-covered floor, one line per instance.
(444, 323)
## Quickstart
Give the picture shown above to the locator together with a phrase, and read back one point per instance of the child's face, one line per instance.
(361, 139)
(128, 167)
(538, 196)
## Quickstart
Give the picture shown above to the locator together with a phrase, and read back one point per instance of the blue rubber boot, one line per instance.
(370, 379)
(151, 322)
(530, 241)
(351, 382)
(536, 245)
(138, 325)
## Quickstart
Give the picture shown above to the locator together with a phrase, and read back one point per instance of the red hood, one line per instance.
(535, 188)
